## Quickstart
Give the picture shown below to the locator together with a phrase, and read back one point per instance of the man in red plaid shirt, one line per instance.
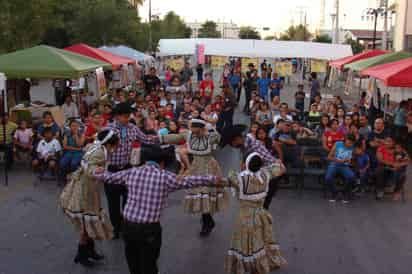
(149, 187)
(120, 160)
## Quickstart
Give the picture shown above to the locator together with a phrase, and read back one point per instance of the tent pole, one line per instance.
(3, 120)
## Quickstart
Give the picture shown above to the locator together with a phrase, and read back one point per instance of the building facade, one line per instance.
(403, 27)
(228, 30)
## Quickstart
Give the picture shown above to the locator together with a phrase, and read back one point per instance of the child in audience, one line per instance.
(48, 151)
(23, 138)
(362, 163)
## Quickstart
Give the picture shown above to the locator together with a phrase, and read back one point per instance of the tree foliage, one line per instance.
(323, 38)
(209, 30)
(356, 46)
(96, 22)
(270, 37)
(249, 33)
(296, 33)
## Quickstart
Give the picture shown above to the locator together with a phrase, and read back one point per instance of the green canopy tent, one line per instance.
(377, 60)
(45, 62)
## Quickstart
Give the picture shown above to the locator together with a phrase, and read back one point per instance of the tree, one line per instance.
(323, 38)
(356, 46)
(171, 26)
(296, 33)
(209, 30)
(248, 33)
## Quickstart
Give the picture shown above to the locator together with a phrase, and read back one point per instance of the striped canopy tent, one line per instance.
(377, 60)
(395, 74)
(340, 63)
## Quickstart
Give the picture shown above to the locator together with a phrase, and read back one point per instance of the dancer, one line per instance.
(149, 187)
(253, 249)
(80, 199)
(236, 136)
(120, 160)
(201, 140)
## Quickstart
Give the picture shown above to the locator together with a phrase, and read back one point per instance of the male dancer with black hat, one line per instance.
(120, 160)
(149, 187)
(236, 137)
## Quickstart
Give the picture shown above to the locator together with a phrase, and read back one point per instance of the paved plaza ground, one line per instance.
(316, 237)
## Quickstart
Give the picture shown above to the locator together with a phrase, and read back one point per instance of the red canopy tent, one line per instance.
(339, 63)
(395, 74)
(115, 60)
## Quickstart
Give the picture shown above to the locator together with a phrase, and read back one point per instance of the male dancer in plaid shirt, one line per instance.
(236, 137)
(149, 187)
(120, 160)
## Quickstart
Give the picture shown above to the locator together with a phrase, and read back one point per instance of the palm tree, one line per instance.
(136, 3)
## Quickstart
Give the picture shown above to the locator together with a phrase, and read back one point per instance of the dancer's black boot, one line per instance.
(207, 225)
(82, 256)
(92, 254)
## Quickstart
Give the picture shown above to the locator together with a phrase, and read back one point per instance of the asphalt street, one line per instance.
(316, 237)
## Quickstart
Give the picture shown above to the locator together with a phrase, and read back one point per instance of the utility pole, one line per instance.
(150, 26)
(336, 36)
(385, 26)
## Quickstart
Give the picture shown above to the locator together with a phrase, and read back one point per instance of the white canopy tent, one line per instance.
(255, 48)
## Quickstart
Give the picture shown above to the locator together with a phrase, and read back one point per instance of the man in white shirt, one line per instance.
(69, 108)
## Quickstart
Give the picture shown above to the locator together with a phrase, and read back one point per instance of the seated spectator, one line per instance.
(210, 116)
(151, 123)
(185, 115)
(264, 116)
(331, 136)
(376, 139)
(275, 105)
(286, 144)
(176, 85)
(364, 127)
(69, 108)
(362, 164)
(340, 157)
(163, 129)
(253, 130)
(301, 131)
(338, 101)
(48, 122)
(93, 127)
(261, 135)
(392, 164)
(6, 144)
(359, 139)
(355, 119)
(73, 143)
(344, 127)
(283, 114)
(321, 106)
(332, 111)
(169, 113)
(107, 113)
(323, 126)
(341, 115)
(23, 139)
(48, 152)
(314, 116)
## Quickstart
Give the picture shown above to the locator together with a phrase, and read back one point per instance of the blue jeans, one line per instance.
(345, 171)
(70, 161)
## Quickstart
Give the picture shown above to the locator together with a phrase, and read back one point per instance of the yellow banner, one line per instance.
(246, 61)
(101, 81)
(283, 68)
(318, 65)
(219, 61)
(176, 64)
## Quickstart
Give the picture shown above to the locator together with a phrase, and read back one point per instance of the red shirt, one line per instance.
(387, 154)
(206, 88)
(333, 137)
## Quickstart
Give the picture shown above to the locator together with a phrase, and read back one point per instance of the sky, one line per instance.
(278, 15)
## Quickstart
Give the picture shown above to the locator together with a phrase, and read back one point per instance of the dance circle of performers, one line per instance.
(253, 248)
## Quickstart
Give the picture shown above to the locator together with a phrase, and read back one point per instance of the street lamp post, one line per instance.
(376, 12)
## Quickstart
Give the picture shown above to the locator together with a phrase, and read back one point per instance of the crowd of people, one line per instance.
(182, 121)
